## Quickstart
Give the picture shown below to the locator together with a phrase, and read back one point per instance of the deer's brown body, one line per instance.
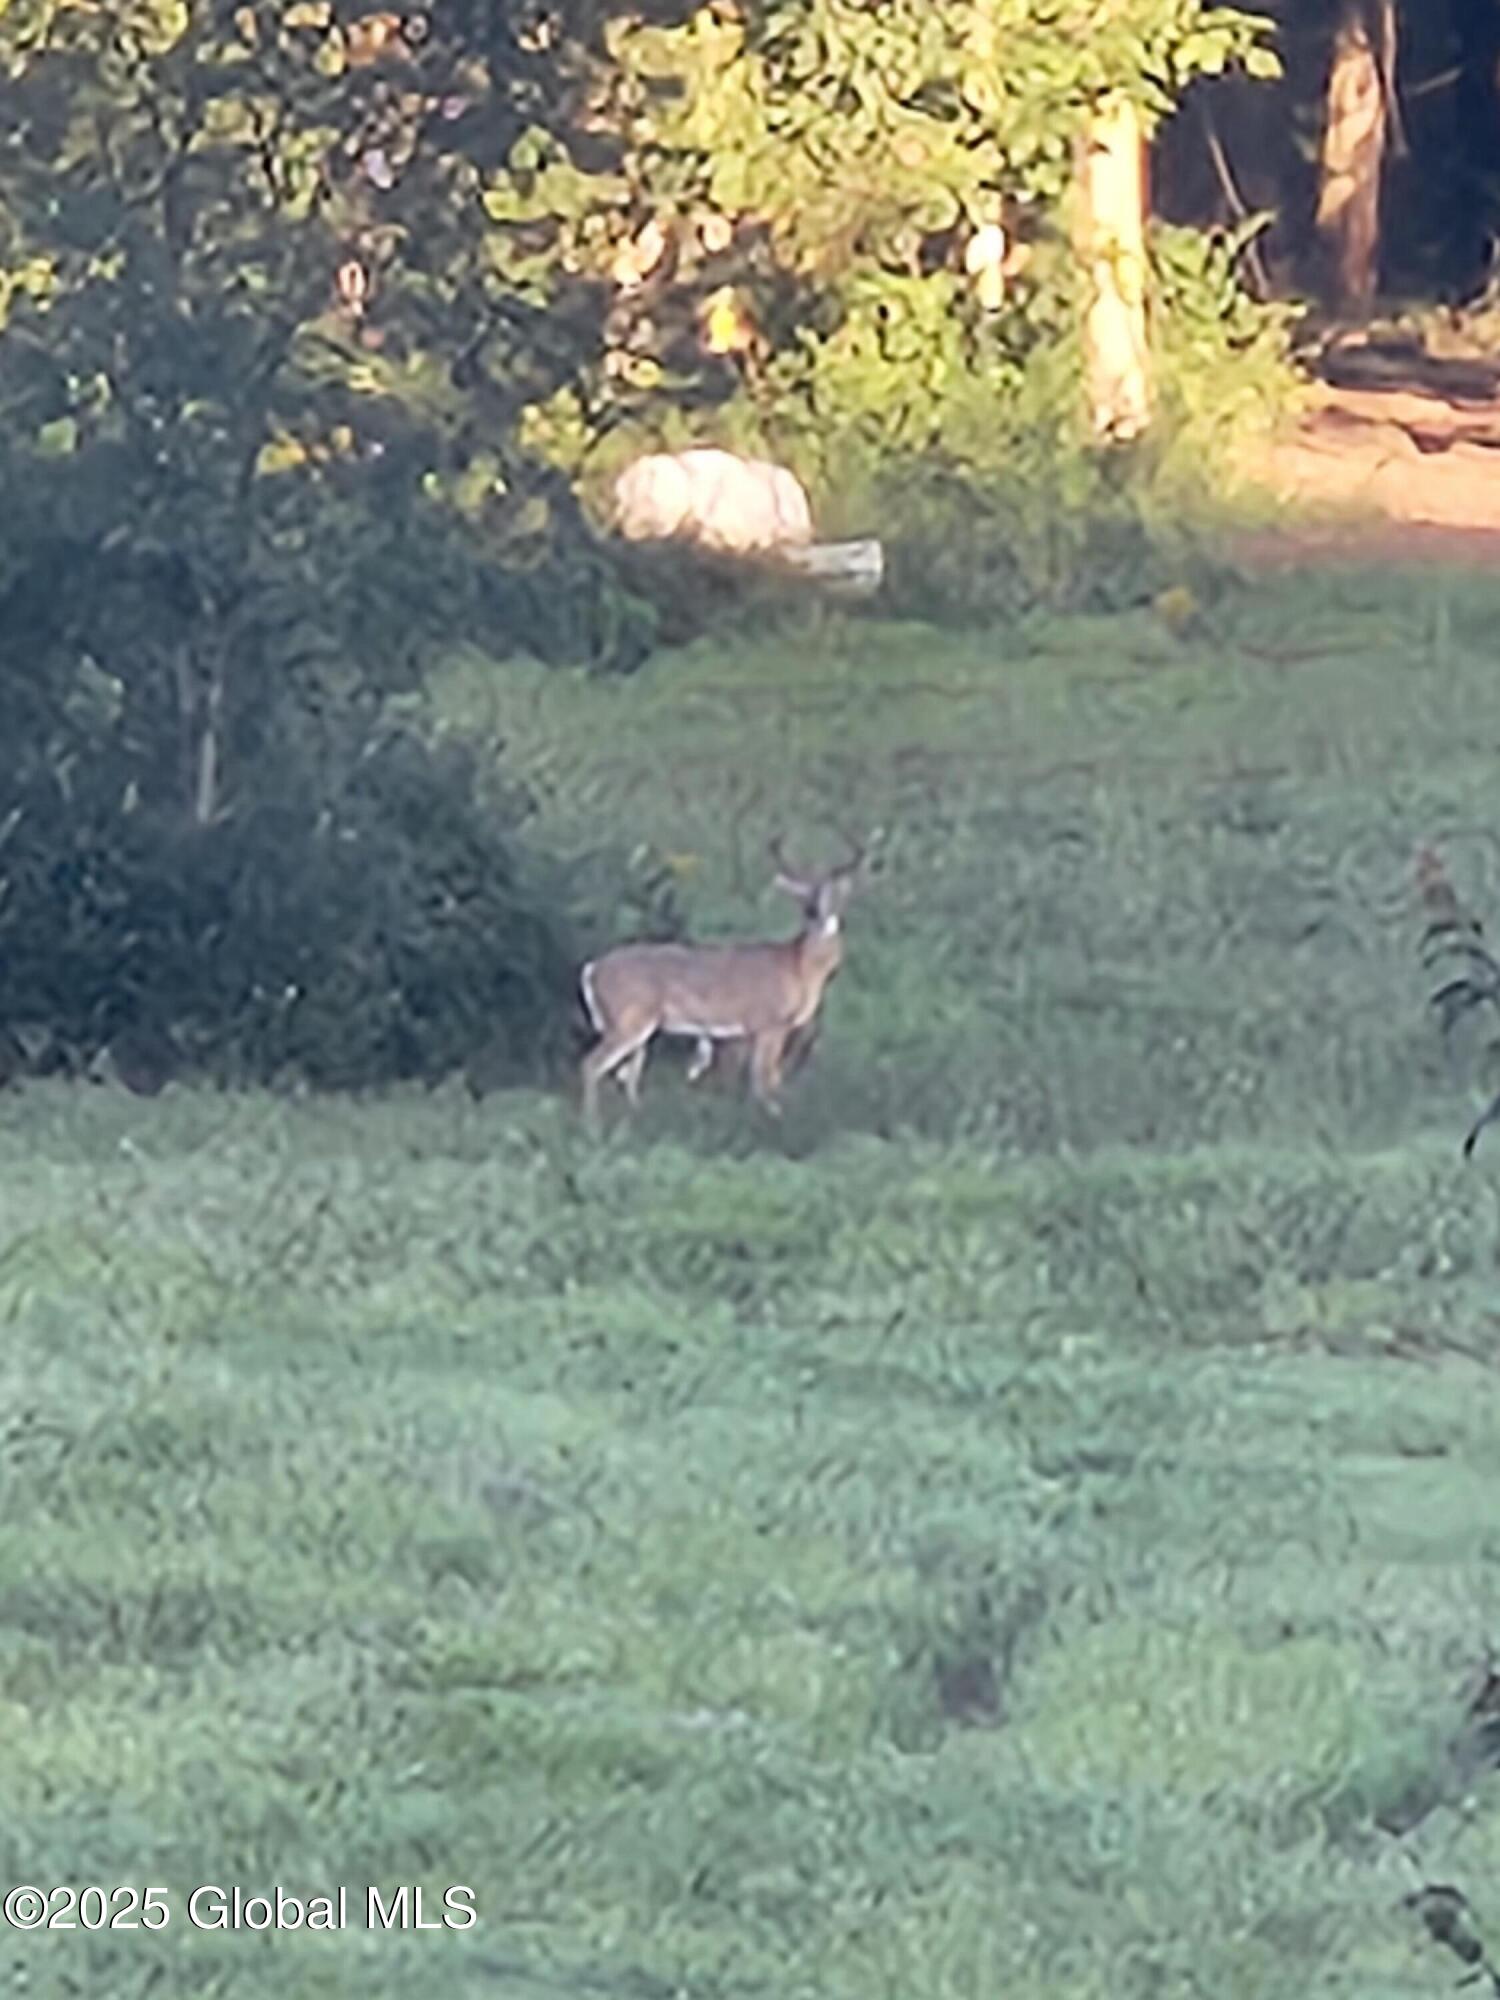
(759, 995)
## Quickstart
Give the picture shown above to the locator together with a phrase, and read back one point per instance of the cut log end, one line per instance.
(857, 568)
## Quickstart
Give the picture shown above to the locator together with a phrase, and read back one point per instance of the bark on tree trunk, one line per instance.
(199, 712)
(1356, 123)
(1111, 247)
(206, 800)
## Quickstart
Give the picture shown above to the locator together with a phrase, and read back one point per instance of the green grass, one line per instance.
(1020, 1527)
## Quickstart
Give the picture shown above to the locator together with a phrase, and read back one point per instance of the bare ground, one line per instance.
(1397, 458)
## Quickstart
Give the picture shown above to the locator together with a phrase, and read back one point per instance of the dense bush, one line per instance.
(357, 916)
(225, 843)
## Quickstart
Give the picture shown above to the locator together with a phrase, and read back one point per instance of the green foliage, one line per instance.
(357, 914)
(220, 850)
(253, 303)
(998, 509)
(782, 225)
(260, 382)
(281, 284)
(1058, 532)
(1222, 357)
(1003, 509)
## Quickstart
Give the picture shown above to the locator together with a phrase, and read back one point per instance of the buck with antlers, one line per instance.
(760, 995)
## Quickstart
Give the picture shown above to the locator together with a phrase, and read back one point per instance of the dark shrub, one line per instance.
(348, 925)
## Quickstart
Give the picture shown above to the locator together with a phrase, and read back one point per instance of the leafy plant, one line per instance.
(357, 917)
(778, 237)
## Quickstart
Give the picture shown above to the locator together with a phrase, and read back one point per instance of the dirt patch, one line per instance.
(1394, 459)
(1380, 541)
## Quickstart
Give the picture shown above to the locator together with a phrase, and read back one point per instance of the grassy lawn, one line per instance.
(1026, 1526)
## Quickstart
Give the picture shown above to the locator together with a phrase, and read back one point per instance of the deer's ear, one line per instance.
(793, 885)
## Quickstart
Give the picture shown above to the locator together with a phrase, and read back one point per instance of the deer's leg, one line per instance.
(702, 1058)
(765, 1068)
(607, 1056)
(629, 1073)
(739, 1056)
(799, 1046)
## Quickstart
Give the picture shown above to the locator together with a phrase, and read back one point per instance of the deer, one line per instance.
(761, 995)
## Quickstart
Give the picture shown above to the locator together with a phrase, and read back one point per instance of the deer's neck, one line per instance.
(818, 954)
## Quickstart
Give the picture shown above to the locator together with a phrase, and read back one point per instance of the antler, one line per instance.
(858, 850)
(777, 848)
(858, 854)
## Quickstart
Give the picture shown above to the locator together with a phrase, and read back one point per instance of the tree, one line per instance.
(260, 383)
(1110, 245)
(249, 282)
(823, 165)
(1360, 120)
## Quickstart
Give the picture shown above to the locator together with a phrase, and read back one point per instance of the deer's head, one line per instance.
(823, 896)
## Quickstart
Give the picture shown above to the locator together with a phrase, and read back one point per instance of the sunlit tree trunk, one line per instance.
(1111, 246)
(1356, 119)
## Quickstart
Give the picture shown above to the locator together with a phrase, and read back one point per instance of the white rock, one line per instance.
(713, 498)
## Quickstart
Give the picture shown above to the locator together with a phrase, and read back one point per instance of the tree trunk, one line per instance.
(199, 712)
(1356, 123)
(1111, 247)
(206, 798)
